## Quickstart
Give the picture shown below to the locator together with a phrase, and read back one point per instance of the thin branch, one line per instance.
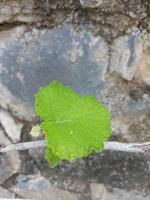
(23, 146)
(127, 147)
(113, 146)
(12, 199)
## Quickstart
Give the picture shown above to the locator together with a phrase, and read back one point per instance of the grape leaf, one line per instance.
(74, 125)
(52, 159)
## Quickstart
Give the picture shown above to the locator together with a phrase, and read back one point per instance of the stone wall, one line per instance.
(97, 47)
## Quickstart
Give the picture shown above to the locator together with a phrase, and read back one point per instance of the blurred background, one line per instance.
(98, 47)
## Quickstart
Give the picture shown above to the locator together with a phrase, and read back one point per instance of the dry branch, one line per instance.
(113, 146)
(13, 199)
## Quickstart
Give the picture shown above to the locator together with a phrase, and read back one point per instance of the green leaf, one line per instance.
(52, 159)
(74, 125)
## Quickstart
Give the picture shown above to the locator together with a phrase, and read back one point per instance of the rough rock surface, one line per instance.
(9, 163)
(17, 11)
(12, 128)
(115, 169)
(110, 18)
(125, 53)
(5, 193)
(40, 188)
(18, 108)
(129, 104)
(99, 192)
(77, 59)
(143, 72)
(91, 3)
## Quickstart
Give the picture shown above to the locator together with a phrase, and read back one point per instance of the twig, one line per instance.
(113, 146)
(12, 199)
(127, 147)
(23, 146)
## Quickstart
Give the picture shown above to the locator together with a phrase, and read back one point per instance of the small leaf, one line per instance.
(74, 125)
(35, 131)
